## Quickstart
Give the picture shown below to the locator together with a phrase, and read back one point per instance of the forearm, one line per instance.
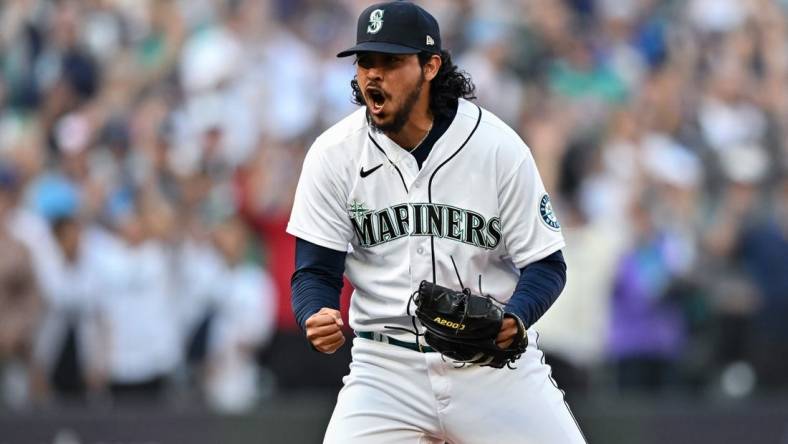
(312, 291)
(317, 281)
(538, 288)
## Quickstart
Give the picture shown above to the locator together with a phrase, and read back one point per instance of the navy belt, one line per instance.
(378, 337)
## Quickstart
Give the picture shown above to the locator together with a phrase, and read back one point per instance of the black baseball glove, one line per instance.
(463, 326)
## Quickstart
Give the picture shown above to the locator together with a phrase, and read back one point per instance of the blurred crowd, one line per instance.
(149, 152)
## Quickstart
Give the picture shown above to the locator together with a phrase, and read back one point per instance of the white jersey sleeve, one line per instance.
(530, 229)
(319, 214)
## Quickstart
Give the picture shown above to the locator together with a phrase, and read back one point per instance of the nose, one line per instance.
(374, 73)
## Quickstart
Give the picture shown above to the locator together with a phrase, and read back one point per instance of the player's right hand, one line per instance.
(323, 330)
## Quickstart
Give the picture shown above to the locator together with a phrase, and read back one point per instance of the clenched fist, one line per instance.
(323, 330)
(506, 335)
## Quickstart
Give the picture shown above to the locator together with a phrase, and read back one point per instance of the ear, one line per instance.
(431, 67)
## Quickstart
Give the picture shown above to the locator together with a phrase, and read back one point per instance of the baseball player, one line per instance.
(416, 182)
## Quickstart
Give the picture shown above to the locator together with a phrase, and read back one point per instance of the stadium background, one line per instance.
(149, 151)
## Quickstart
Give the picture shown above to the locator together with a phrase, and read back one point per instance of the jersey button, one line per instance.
(420, 250)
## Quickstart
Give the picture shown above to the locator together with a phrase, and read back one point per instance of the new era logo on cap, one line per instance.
(408, 29)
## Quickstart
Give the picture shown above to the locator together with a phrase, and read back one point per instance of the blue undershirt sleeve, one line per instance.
(539, 285)
(317, 280)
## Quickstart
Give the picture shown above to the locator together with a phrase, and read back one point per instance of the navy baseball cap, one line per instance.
(396, 28)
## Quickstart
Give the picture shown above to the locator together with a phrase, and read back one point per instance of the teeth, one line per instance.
(376, 101)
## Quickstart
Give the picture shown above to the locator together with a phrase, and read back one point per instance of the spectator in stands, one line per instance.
(763, 247)
(138, 301)
(243, 322)
(749, 240)
(647, 331)
(20, 301)
(71, 338)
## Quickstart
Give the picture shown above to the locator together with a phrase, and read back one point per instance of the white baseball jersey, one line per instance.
(478, 199)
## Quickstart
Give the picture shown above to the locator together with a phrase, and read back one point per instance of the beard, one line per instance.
(402, 115)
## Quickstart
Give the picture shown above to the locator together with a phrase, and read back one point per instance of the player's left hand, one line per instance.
(507, 333)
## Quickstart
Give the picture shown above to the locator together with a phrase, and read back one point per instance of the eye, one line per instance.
(393, 59)
(368, 61)
(364, 61)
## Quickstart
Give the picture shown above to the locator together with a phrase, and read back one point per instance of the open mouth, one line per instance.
(375, 99)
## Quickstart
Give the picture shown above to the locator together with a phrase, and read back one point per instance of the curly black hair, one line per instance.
(449, 85)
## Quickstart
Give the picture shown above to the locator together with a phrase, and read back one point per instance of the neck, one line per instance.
(415, 128)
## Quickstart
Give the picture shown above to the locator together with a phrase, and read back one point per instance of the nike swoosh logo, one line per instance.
(368, 172)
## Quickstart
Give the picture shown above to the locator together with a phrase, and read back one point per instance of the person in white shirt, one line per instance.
(69, 345)
(243, 322)
(138, 303)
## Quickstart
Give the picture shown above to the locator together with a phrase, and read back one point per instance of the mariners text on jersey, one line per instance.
(377, 227)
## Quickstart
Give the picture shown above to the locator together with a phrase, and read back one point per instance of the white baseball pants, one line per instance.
(395, 395)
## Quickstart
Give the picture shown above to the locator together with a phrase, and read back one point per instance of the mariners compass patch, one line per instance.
(547, 215)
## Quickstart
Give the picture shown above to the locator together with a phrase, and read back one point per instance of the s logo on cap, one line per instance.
(375, 21)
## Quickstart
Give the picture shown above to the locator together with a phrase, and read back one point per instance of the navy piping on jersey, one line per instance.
(420, 153)
(429, 186)
(440, 126)
(563, 394)
(392, 163)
